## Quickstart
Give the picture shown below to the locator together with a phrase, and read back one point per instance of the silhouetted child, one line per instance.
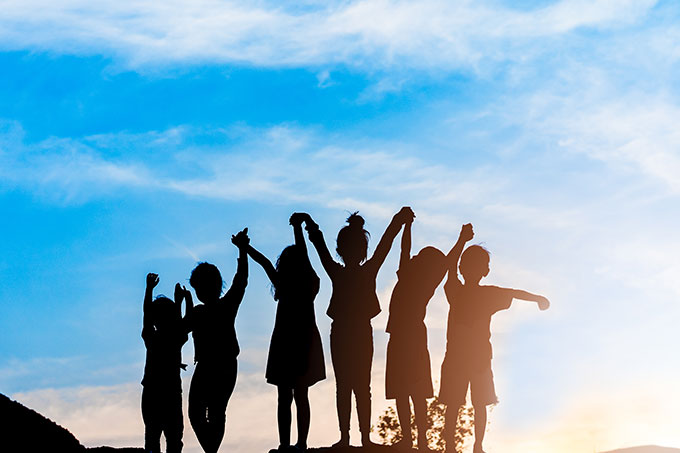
(353, 304)
(468, 350)
(164, 333)
(408, 372)
(295, 359)
(215, 346)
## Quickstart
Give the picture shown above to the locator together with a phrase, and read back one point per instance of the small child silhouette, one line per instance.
(215, 346)
(164, 333)
(408, 372)
(353, 304)
(295, 360)
(468, 350)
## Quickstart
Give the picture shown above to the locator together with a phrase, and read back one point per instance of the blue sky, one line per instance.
(136, 137)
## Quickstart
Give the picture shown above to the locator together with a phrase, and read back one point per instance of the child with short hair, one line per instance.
(468, 350)
(164, 333)
(215, 346)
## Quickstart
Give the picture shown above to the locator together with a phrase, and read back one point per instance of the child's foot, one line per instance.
(423, 447)
(478, 449)
(300, 446)
(343, 442)
(366, 442)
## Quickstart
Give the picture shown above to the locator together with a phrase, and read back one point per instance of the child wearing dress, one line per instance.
(215, 346)
(408, 371)
(467, 362)
(352, 306)
(164, 333)
(295, 360)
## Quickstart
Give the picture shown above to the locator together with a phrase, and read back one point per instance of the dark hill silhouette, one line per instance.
(645, 449)
(27, 430)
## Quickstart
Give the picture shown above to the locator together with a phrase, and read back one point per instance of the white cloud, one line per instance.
(365, 33)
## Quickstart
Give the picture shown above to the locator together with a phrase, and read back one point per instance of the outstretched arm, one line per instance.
(296, 222)
(316, 238)
(238, 285)
(151, 282)
(404, 215)
(405, 245)
(543, 302)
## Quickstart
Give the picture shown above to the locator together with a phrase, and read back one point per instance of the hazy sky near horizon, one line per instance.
(137, 137)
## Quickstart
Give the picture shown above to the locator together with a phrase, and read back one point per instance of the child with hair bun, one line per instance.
(352, 306)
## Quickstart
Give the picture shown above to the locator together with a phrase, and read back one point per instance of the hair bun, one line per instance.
(355, 220)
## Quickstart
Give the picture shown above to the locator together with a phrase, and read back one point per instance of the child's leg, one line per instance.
(420, 408)
(362, 382)
(404, 414)
(217, 407)
(342, 365)
(152, 422)
(285, 399)
(303, 415)
(198, 406)
(480, 426)
(173, 425)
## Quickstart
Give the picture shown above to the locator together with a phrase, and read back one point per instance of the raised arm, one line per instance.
(263, 261)
(238, 285)
(405, 256)
(296, 222)
(466, 234)
(316, 238)
(404, 215)
(543, 302)
(151, 282)
(188, 311)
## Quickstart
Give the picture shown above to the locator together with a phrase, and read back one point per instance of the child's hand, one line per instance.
(241, 239)
(297, 218)
(179, 293)
(466, 232)
(543, 303)
(151, 280)
(405, 215)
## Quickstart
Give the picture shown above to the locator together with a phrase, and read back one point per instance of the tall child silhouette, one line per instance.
(164, 333)
(408, 371)
(295, 359)
(468, 349)
(215, 346)
(353, 304)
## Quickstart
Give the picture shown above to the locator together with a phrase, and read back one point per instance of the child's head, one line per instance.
(295, 273)
(352, 242)
(207, 282)
(163, 313)
(430, 266)
(474, 263)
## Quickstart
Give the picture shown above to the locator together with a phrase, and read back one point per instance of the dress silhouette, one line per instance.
(408, 372)
(164, 333)
(215, 346)
(352, 306)
(295, 360)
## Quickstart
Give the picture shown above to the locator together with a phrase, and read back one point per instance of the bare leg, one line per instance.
(404, 413)
(480, 427)
(420, 408)
(283, 414)
(343, 400)
(303, 415)
(450, 421)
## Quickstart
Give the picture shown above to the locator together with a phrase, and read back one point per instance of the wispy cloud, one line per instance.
(365, 33)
